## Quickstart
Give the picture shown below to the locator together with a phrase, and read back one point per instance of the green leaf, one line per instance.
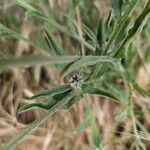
(73, 101)
(119, 24)
(36, 13)
(46, 18)
(140, 90)
(54, 45)
(31, 60)
(137, 28)
(51, 92)
(87, 61)
(100, 37)
(95, 133)
(5, 32)
(55, 24)
(42, 44)
(8, 33)
(53, 101)
(121, 94)
(116, 6)
(108, 19)
(89, 32)
(131, 62)
(33, 106)
(99, 70)
(34, 125)
(91, 89)
(76, 2)
(122, 34)
(123, 116)
(25, 5)
(84, 124)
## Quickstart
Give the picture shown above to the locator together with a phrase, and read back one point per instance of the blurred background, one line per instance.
(65, 130)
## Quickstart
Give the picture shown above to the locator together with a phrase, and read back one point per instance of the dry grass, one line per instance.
(59, 131)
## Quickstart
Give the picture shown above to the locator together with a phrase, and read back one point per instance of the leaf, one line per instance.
(84, 124)
(42, 44)
(36, 13)
(34, 125)
(73, 101)
(122, 34)
(5, 32)
(100, 37)
(129, 7)
(89, 32)
(116, 6)
(95, 131)
(28, 107)
(46, 18)
(122, 95)
(99, 70)
(25, 5)
(54, 45)
(76, 2)
(140, 90)
(87, 61)
(119, 24)
(8, 33)
(90, 89)
(140, 144)
(53, 101)
(31, 60)
(131, 61)
(55, 24)
(109, 19)
(51, 92)
(123, 116)
(137, 28)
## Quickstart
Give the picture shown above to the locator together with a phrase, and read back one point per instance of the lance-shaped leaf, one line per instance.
(32, 60)
(25, 5)
(33, 106)
(116, 6)
(123, 32)
(95, 132)
(55, 99)
(89, 32)
(121, 94)
(42, 44)
(87, 61)
(123, 116)
(51, 92)
(91, 89)
(84, 124)
(6, 32)
(57, 50)
(141, 90)
(100, 37)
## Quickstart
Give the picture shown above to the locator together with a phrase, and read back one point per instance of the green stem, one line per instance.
(139, 144)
